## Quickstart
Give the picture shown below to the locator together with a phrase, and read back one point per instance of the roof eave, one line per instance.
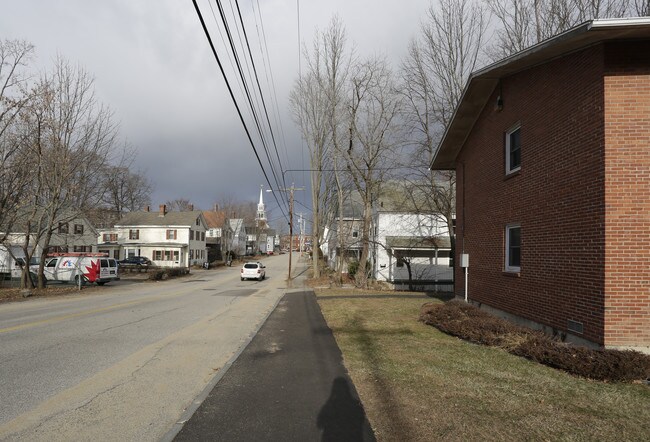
(481, 83)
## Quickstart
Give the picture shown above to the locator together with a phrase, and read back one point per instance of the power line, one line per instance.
(250, 53)
(232, 96)
(269, 70)
(246, 88)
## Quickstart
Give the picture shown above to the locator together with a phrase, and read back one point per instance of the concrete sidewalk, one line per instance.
(289, 384)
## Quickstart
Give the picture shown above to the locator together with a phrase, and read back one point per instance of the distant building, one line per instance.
(169, 239)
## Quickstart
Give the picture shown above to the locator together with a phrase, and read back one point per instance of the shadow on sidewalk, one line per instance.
(342, 417)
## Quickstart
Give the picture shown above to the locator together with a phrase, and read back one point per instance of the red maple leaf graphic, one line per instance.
(93, 271)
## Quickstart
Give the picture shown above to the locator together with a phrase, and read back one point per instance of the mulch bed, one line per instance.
(472, 324)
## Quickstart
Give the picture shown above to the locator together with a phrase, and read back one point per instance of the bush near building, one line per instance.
(472, 324)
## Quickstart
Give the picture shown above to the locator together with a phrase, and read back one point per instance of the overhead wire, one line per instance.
(250, 53)
(232, 63)
(247, 89)
(232, 96)
(268, 71)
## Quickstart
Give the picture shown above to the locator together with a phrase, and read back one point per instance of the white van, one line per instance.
(87, 267)
(11, 268)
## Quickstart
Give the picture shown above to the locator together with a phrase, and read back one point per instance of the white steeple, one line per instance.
(261, 212)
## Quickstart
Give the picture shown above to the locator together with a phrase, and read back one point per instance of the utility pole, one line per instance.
(290, 190)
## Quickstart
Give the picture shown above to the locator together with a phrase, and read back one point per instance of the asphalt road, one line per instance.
(125, 364)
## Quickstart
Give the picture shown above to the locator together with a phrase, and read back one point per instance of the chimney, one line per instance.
(191, 207)
(216, 207)
(163, 210)
(146, 208)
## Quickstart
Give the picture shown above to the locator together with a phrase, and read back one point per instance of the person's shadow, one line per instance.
(342, 417)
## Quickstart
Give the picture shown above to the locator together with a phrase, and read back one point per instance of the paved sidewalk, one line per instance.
(289, 384)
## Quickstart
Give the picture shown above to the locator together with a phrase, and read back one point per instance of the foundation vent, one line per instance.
(574, 326)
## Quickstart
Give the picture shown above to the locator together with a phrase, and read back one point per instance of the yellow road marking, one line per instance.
(181, 292)
(70, 316)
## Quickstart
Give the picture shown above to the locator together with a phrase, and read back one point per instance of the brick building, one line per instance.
(551, 147)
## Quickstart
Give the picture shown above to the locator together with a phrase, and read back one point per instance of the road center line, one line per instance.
(84, 313)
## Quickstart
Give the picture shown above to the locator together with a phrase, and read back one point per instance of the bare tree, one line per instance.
(336, 65)
(523, 23)
(309, 103)
(126, 190)
(373, 144)
(129, 190)
(435, 71)
(70, 138)
(14, 164)
(590, 9)
(179, 204)
(641, 7)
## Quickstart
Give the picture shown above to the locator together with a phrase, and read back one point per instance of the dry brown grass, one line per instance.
(417, 383)
(13, 294)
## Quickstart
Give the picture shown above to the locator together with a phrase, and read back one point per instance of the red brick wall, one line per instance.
(557, 197)
(627, 194)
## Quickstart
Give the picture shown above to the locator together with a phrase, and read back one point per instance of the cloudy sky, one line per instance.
(154, 68)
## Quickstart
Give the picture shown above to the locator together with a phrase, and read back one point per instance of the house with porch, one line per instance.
(412, 248)
(409, 241)
(551, 149)
(168, 239)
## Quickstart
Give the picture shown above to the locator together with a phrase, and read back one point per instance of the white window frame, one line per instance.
(509, 132)
(508, 267)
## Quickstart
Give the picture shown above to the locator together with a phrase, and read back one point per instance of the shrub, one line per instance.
(156, 275)
(171, 272)
(176, 271)
(472, 324)
(352, 268)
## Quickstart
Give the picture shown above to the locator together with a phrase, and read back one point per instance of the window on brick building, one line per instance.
(513, 248)
(513, 150)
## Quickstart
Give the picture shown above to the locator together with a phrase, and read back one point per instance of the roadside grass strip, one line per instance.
(417, 383)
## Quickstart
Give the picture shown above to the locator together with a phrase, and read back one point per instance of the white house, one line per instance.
(238, 244)
(272, 240)
(411, 241)
(169, 239)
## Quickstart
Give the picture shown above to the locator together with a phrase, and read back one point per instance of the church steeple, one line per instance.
(261, 211)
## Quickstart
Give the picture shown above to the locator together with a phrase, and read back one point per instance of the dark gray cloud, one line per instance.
(152, 65)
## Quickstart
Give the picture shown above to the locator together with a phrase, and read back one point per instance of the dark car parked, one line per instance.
(136, 260)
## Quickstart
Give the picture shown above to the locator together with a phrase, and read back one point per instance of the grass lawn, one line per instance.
(417, 383)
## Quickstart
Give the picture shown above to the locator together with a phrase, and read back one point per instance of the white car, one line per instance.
(253, 270)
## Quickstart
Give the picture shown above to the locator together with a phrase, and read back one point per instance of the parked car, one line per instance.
(253, 270)
(136, 260)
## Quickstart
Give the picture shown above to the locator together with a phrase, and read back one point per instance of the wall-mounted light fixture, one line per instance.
(499, 104)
